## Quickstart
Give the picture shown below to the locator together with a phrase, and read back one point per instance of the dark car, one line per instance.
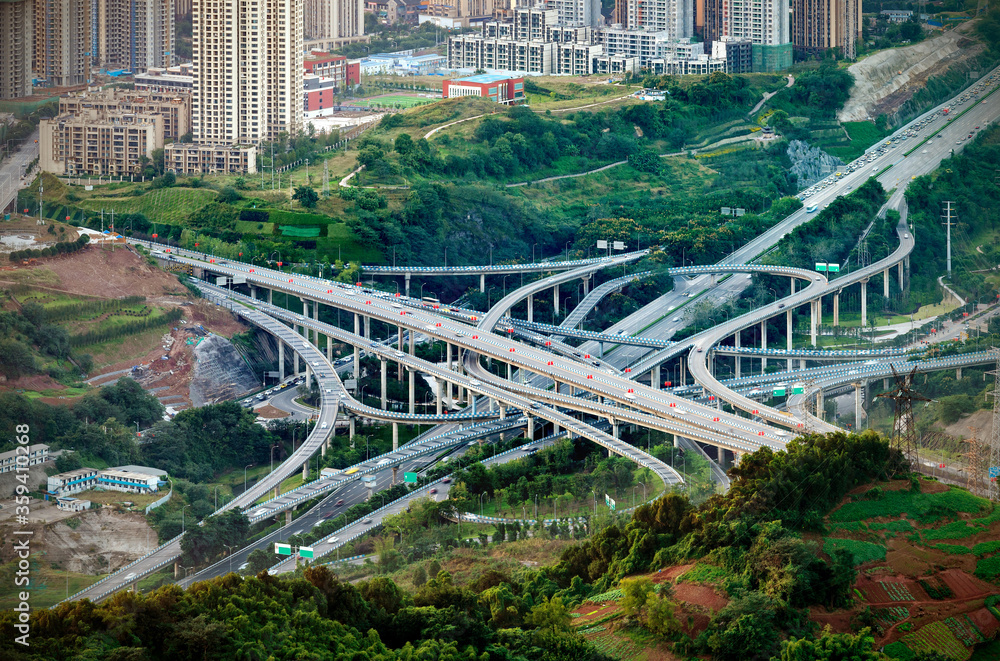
(434, 490)
(781, 306)
(447, 480)
(339, 503)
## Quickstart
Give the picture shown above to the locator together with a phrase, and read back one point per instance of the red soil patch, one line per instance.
(839, 620)
(36, 382)
(270, 412)
(985, 622)
(591, 611)
(670, 573)
(965, 586)
(701, 595)
(101, 271)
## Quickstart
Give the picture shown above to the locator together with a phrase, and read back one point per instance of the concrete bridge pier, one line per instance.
(864, 302)
(763, 345)
(288, 517)
(395, 474)
(438, 384)
(901, 276)
(277, 490)
(555, 301)
(836, 309)
(281, 360)
(406, 285)
(305, 470)
(793, 284)
(654, 377)
(788, 333)
(885, 282)
(384, 366)
(350, 431)
(329, 348)
(958, 374)
(736, 343)
(812, 322)
(399, 347)
(529, 430)
(482, 282)
(295, 364)
(357, 350)
(412, 385)
(368, 327)
(395, 436)
(683, 372)
(270, 296)
(819, 404)
(531, 308)
(586, 284)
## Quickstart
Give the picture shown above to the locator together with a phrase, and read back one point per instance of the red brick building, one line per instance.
(496, 87)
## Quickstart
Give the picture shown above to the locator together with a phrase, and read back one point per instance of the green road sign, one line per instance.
(306, 552)
(282, 549)
(778, 392)
(610, 502)
(821, 266)
(833, 268)
(410, 478)
(798, 390)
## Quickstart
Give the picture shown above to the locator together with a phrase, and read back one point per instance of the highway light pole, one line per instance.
(481, 503)
(230, 550)
(245, 477)
(183, 526)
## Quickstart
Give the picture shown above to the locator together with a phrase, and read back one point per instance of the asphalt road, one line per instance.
(12, 170)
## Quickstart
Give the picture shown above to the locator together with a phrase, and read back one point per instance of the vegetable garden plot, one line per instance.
(936, 636)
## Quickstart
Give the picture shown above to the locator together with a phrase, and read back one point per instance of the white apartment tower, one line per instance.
(247, 69)
(334, 20)
(577, 12)
(674, 16)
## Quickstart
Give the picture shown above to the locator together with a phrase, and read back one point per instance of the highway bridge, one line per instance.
(573, 393)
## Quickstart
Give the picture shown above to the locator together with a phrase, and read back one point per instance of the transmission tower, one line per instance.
(975, 477)
(864, 257)
(904, 431)
(993, 451)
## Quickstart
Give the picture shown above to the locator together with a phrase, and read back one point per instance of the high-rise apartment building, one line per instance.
(764, 23)
(674, 16)
(329, 24)
(62, 51)
(821, 25)
(15, 48)
(135, 34)
(577, 12)
(247, 70)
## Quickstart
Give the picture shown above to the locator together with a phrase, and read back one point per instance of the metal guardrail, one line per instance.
(131, 564)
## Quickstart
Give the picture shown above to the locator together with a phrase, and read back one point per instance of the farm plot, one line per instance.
(964, 629)
(165, 205)
(863, 552)
(937, 637)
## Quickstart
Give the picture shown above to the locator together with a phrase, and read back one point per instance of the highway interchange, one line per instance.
(595, 393)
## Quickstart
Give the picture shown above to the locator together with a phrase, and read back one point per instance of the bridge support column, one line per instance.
(357, 350)
(531, 308)
(406, 288)
(296, 363)
(305, 469)
(655, 377)
(281, 360)
(820, 404)
(555, 302)
(270, 297)
(177, 569)
(555, 386)
(253, 292)
(438, 383)
(683, 372)
(812, 322)
(864, 303)
(395, 474)
(329, 348)
(763, 345)
(586, 284)
(399, 347)
(277, 491)
(503, 410)
(901, 276)
(368, 327)
(482, 283)
(885, 282)
(736, 343)
(350, 431)
(413, 342)
(413, 381)
(858, 412)
(529, 430)
(384, 366)
(788, 334)
(958, 374)
(395, 436)
(614, 431)
(836, 309)
(793, 284)
(288, 522)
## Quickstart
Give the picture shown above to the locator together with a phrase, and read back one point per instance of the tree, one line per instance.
(660, 615)
(550, 614)
(635, 593)
(306, 196)
(404, 144)
(832, 647)
(260, 560)
(419, 576)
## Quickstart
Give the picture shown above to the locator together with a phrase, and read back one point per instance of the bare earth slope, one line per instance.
(887, 79)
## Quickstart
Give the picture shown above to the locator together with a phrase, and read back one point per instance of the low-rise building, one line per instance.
(73, 481)
(342, 72)
(93, 142)
(498, 88)
(31, 455)
(72, 504)
(172, 79)
(173, 106)
(897, 15)
(187, 158)
(127, 481)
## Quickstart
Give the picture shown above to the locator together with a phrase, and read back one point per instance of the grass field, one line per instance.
(400, 101)
(166, 205)
(48, 586)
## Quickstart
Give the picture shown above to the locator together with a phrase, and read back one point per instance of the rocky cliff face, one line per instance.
(887, 79)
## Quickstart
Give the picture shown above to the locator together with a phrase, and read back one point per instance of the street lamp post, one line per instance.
(245, 477)
(594, 491)
(272, 457)
(229, 549)
(643, 491)
(217, 496)
(183, 525)
(481, 503)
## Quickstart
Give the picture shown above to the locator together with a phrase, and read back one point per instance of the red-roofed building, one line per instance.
(496, 87)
